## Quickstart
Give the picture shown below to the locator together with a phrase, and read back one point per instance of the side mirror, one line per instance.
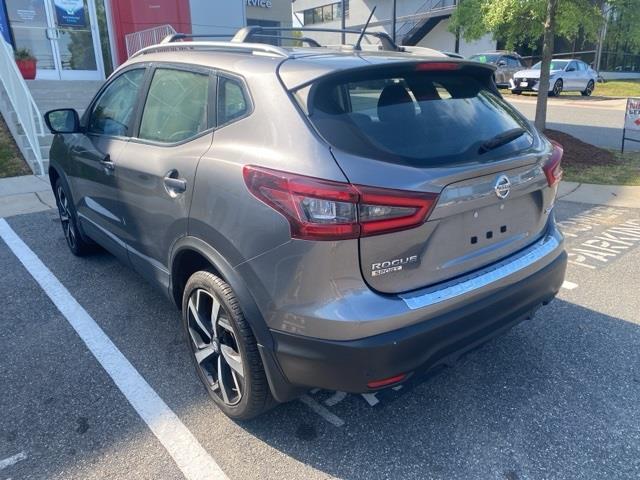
(571, 69)
(65, 120)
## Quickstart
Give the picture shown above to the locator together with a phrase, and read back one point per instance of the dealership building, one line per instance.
(87, 39)
(419, 23)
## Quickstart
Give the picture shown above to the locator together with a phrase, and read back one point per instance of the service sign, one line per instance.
(70, 13)
(632, 114)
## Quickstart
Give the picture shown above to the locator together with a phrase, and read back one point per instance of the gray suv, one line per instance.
(323, 217)
(507, 65)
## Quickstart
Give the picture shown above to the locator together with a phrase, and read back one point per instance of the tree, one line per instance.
(547, 54)
(524, 22)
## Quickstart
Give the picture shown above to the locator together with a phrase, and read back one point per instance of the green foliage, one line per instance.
(624, 25)
(23, 54)
(519, 22)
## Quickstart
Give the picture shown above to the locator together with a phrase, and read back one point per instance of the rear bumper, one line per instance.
(349, 365)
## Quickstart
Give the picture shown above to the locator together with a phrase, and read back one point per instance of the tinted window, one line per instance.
(232, 101)
(513, 62)
(419, 118)
(176, 107)
(112, 114)
(555, 65)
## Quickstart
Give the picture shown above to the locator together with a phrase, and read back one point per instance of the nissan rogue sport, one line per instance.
(337, 218)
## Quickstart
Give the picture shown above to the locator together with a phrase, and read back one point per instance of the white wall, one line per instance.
(217, 16)
(441, 38)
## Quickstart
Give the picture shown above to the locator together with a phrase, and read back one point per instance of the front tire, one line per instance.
(76, 242)
(557, 88)
(589, 90)
(224, 350)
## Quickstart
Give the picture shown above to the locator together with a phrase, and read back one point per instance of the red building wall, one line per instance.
(130, 16)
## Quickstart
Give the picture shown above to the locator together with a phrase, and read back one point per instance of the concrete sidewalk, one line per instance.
(613, 195)
(25, 194)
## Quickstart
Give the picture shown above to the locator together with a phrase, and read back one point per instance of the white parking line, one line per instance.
(7, 462)
(569, 285)
(371, 399)
(323, 412)
(335, 399)
(192, 459)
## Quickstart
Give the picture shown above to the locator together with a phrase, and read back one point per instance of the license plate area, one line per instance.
(524, 84)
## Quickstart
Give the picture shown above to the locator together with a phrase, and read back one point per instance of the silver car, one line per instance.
(566, 76)
(506, 63)
(339, 219)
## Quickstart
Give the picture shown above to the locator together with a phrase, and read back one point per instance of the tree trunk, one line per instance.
(547, 54)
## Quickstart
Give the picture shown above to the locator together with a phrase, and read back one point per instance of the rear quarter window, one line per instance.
(418, 119)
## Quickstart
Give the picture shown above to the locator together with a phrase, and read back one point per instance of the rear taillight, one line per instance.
(553, 167)
(327, 210)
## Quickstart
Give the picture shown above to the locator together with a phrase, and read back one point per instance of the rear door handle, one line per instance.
(107, 163)
(173, 184)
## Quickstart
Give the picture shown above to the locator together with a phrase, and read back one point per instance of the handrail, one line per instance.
(23, 104)
(136, 41)
(423, 12)
(216, 46)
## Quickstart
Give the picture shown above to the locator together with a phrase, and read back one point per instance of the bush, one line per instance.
(24, 54)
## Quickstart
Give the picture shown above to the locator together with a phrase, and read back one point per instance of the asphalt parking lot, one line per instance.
(556, 397)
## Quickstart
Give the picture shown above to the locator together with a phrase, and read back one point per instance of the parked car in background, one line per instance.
(506, 63)
(566, 75)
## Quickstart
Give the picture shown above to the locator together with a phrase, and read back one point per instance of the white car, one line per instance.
(566, 75)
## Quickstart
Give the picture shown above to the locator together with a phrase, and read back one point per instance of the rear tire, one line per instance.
(589, 90)
(77, 243)
(557, 89)
(224, 350)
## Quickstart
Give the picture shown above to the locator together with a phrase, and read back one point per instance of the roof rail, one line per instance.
(246, 34)
(174, 42)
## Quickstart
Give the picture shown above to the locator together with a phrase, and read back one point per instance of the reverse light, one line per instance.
(553, 167)
(326, 210)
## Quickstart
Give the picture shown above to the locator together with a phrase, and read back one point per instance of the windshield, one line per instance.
(417, 118)
(485, 58)
(555, 65)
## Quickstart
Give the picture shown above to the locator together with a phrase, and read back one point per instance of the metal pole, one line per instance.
(343, 23)
(393, 22)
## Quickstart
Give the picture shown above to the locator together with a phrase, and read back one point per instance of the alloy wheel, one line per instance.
(215, 347)
(589, 89)
(65, 218)
(557, 88)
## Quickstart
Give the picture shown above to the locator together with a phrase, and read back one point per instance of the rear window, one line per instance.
(418, 118)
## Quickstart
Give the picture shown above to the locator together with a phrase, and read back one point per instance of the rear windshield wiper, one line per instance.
(502, 139)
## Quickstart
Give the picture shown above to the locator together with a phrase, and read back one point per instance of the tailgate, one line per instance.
(469, 228)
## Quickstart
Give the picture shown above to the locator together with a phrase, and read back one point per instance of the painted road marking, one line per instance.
(371, 399)
(335, 399)
(569, 285)
(333, 419)
(7, 462)
(192, 459)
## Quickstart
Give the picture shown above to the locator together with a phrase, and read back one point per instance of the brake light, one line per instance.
(386, 382)
(553, 167)
(430, 66)
(326, 210)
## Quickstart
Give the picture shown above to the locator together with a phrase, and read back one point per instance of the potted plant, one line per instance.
(26, 63)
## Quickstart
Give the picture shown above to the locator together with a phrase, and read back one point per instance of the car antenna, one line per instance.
(364, 30)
